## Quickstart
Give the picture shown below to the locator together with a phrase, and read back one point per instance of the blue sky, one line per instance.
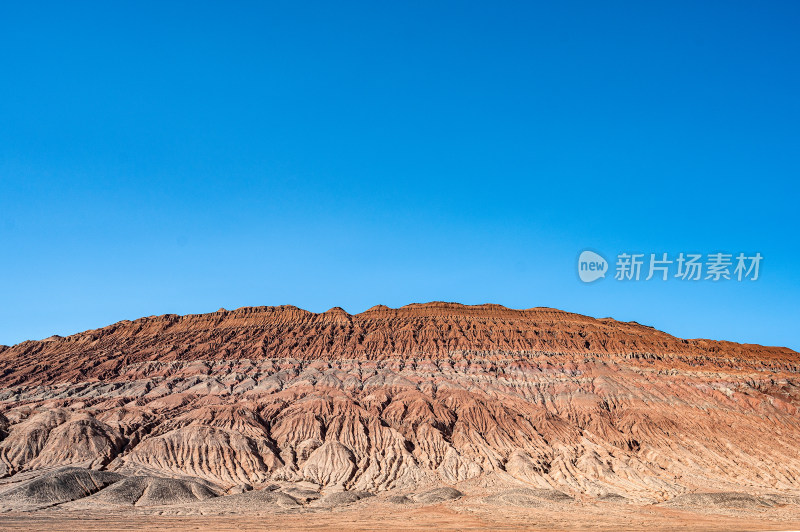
(182, 157)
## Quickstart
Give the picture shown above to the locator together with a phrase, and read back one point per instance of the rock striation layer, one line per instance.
(539, 403)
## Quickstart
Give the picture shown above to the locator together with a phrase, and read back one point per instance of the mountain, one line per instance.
(519, 407)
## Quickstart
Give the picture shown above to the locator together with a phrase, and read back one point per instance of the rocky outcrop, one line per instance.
(62, 485)
(207, 452)
(412, 399)
(432, 331)
(332, 464)
(148, 491)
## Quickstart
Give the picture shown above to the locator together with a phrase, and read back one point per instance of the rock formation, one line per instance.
(543, 404)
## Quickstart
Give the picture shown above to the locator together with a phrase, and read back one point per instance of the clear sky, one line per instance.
(172, 157)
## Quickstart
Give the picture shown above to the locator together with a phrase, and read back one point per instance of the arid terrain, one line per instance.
(433, 415)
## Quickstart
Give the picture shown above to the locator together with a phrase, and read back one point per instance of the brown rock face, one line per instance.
(424, 395)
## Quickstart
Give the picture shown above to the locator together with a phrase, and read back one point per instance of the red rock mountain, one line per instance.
(393, 399)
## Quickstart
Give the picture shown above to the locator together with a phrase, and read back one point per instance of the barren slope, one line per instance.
(518, 407)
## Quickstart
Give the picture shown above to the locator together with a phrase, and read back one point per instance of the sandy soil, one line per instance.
(455, 516)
